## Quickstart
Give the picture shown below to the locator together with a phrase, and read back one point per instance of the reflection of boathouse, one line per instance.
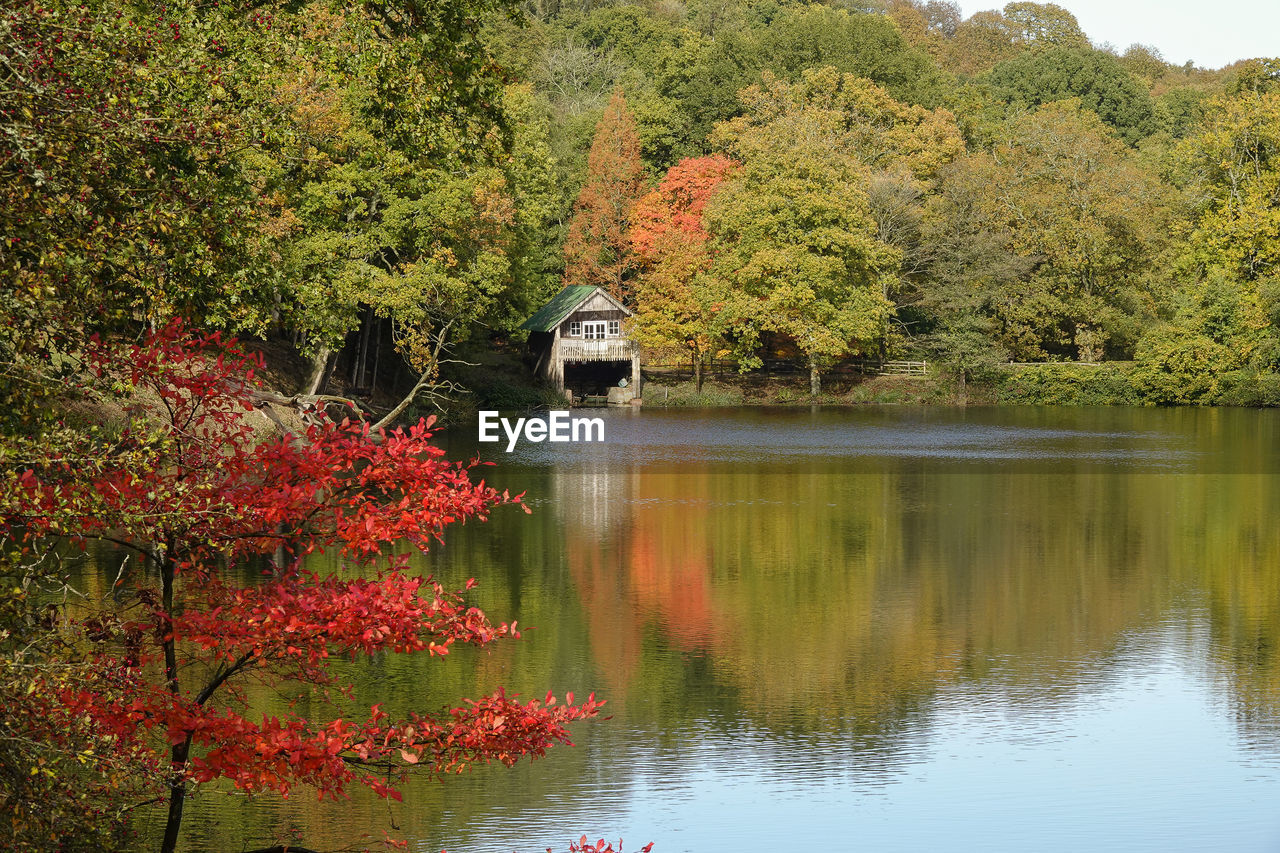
(594, 498)
(580, 346)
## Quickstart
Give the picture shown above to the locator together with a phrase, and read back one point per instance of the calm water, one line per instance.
(868, 629)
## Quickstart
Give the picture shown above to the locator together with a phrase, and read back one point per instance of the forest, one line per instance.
(371, 190)
(810, 181)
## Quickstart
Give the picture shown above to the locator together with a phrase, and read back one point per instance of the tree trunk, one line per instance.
(365, 334)
(319, 372)
(964, 391)
(355, 365)
(177, 796)
(178, 755)
(815, 381)
(697, 370)
(377, 354)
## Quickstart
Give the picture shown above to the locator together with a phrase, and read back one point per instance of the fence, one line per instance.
(904, 368)
(719, 368)
(1052, 364)
(714, 367)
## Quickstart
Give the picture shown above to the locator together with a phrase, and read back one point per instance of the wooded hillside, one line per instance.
(897, 180)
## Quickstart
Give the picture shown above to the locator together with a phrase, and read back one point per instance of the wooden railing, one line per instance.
(1053, 364)
(600, 349)
(904, 368)
(792, 367)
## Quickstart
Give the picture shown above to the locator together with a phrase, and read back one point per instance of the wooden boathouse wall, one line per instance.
(558, 337)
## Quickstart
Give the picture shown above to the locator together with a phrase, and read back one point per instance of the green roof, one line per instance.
(550, 315)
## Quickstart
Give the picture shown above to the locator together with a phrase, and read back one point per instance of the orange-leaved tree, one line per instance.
(674, 304)
(190, 490)
(598, 247)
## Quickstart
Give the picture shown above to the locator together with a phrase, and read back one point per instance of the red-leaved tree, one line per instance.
(674, 208)
(673, 306)
(597, 249)
(188, 487)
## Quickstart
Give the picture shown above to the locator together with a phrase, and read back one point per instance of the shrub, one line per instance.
(1108, 384)
(1250, 388)
(1180, 367)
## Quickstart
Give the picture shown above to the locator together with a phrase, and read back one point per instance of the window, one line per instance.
(575, 328)
(593, 329)
(615, 328)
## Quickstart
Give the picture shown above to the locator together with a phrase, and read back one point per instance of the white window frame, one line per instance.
(594, 330)
(615, 328)
(575, 329)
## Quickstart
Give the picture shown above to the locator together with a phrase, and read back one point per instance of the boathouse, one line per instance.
(580, 346)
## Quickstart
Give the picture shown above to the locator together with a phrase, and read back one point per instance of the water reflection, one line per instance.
(817, 627)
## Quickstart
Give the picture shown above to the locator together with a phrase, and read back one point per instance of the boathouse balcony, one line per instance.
(601, 349)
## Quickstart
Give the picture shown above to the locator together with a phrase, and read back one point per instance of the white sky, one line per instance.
(1210, 33)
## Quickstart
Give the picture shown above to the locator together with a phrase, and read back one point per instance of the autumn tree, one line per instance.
(676, 303)
(1233, 163)
(981, 41)
(806, 233)
(305, 169)
(987, 38)
(1067, 222)
(65, 783)
(1144, 62)
(926, 26)
(597, 250)
(795, 39)
(188, 489)
(1227, 270)
(1043, 24)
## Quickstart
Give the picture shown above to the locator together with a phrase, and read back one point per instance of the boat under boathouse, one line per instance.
(580, 347)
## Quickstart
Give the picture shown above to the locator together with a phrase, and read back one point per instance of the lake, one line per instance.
(880, 629)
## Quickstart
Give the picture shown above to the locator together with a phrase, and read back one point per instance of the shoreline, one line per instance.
(1105, 384)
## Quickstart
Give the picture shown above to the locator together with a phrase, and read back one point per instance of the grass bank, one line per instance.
(1106, 384)
(754, 389)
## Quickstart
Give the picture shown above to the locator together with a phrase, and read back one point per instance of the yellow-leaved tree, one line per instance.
(802, 237)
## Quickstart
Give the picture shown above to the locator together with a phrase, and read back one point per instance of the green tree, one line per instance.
(1097, 78)
(531, 178)
(903, 148)
(118, 195)
(251, 169)
(800, 38)
(969, 274)
(1063, 194)
(651, 56)
(797, 245)
(392, 204)
(1179, 366)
